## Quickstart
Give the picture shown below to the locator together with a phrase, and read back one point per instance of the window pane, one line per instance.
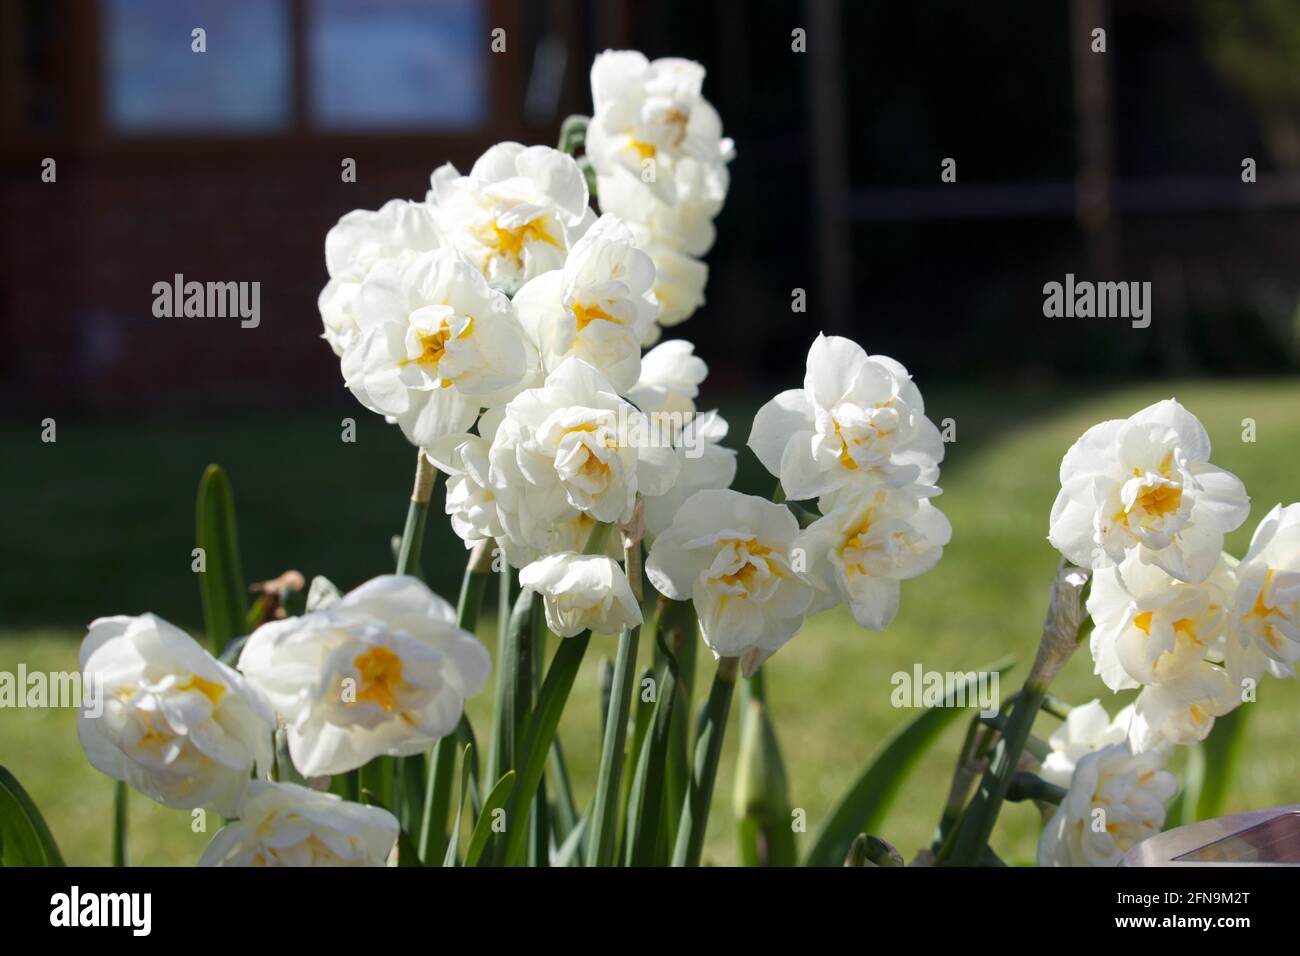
(157, 83)
(408, 64)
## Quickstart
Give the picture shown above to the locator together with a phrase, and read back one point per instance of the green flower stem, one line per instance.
(573, 134)
(678, 626)
(708, 748)
(514, 686)
(972, 834)
(541, 732)
(1029, 786)
(409, 771)
(119, 824)
(604, 821)
(498, 761)
(442, 760)
(408, 554)
(761, 793)
(1061, 635)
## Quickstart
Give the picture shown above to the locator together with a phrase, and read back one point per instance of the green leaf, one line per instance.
(453, 844)
(437, 799)
(570, 851)
(761, 795)
(566, 814)
(541, 731)
(646, 812)
(407, 853)
(1208, 775)
(604, 819)
(678, 633)
(514, 610)
(496, 800)
(1221, 749)
(863, 807)
(704, 772)
(221, 584)
(25, 840)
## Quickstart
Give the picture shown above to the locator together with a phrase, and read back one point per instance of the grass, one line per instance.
(102, 522)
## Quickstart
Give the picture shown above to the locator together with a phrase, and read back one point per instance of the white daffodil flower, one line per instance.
(730, 554)
(1182, 710)
(858, 419)
(177, 724)
(684, 225)
(1266, 608)
(1146, 482)
(1149, 627)
(651, 120)
(283, 824)
(516, 215)
(1116, 800)
(571, 453)
(678, 287)
(873, 539)
(1086, 728)
(582, 592)
(384, 670)
(598, 307)
(360, 240)
(471, 500)
(436, 344)
(671, 375)
(702, 464)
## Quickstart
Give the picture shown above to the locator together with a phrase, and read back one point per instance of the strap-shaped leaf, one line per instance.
(495, 801)
(25, 840)
(864, 806)
(221, 583)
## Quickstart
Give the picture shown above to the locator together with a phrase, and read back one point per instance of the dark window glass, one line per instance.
(157, 83)
(398, 64)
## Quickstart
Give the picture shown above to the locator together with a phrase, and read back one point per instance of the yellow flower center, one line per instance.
(209, 689)
(1261, 609)
(509, 243)
(744, 575)
(585, 315)
(434, 346)
(381, 675)
(1184, 627)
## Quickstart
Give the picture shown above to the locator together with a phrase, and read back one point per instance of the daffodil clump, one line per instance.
(1188, 626)
(501, 324)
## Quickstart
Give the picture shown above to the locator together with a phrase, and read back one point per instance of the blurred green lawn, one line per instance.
(102, 522)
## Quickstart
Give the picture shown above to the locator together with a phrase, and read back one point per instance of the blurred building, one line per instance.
(225, 166)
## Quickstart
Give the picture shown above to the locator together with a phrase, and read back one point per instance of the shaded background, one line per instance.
(225, 166)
